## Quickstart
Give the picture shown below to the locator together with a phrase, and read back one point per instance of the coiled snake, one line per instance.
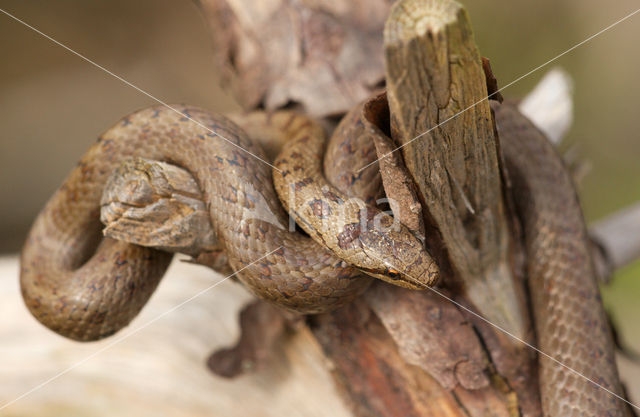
(86, 288)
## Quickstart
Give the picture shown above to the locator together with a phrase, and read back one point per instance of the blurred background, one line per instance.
(53, 104)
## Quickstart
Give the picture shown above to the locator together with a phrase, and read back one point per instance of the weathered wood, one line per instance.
(376, 380)
(323, 55)
(159, 370)
(432, 334)
(550, 105)
(263, 327)
(437, 91)
(619, 236)
(436, 87)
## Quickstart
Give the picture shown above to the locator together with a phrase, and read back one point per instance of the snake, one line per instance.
(86, 287)
(570, 321)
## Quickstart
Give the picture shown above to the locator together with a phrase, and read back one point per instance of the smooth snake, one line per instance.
(85, 287)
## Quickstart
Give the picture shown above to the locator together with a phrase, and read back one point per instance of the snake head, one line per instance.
(395, 255)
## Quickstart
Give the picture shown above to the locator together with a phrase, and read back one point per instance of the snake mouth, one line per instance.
(388, 272)
(394, 276)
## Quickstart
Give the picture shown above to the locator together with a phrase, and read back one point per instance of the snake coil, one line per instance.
(85, 287)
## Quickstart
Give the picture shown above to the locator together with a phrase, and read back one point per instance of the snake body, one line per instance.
(86, 289)
(86, 293)
(358, 232)
(571, 324)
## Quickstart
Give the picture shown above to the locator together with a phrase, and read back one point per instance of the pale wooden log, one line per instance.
(138, 377)
(323, 55)
(161, 369)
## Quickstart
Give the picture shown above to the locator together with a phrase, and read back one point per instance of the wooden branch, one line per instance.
(263, 326)
(437, 91)
(376, 380)
(323, 55)
(434, 72)
(550, 105)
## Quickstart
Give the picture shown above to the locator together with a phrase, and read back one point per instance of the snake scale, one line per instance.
(86, 287)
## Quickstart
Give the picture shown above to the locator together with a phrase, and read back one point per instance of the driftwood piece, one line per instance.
(550, 106)
(156, 366)
(432, 334)
(263, 326)
(434, 72)
(617, 236)
(441, 120)
(139, 376)
(375, 380)
(323, 55)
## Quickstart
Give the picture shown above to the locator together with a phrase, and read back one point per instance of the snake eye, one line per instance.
(393, 272)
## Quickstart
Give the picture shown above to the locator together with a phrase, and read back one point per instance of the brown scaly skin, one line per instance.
(86, 295)
(571, 325)
(357, 232)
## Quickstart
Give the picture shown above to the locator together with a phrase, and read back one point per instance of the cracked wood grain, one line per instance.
(323, 55)
(434, 72)
(437, 89)
(376, 380)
